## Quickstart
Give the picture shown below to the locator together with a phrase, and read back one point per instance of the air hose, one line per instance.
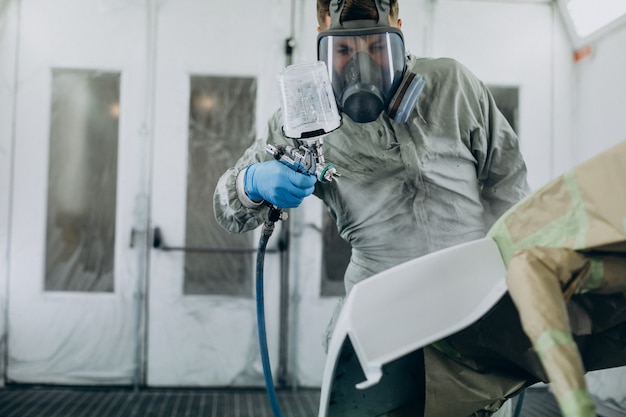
(266, 232)
(520, 403)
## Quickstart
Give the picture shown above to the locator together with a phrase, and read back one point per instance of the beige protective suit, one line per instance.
(568, 239)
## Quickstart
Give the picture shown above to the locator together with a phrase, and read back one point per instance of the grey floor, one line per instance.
(45, 401)
(116, 402)
(539, 402)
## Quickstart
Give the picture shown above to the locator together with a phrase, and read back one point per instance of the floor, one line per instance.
(117, 402)
(539, 402)
(45, 401)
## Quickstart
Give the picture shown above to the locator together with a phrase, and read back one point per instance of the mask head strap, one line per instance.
(336, 8)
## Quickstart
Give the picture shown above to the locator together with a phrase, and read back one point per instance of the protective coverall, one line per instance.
(409, 189)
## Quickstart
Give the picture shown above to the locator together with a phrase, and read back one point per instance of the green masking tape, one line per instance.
(551, 338)
(572, 226)
(577, 403)
(596, 275)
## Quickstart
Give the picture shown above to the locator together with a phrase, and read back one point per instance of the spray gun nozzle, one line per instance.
(328, 173)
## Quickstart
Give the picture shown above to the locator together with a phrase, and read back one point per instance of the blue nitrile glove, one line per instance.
(277, 184)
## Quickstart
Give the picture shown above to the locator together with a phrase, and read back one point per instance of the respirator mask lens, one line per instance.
(365, 71)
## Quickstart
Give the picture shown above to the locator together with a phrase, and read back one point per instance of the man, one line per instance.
(407, 188)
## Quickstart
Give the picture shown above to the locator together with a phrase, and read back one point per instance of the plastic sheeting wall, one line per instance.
(7, 82)
(600, 85)
(494, 41)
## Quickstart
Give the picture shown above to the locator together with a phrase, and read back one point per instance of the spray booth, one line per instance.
(117, 117)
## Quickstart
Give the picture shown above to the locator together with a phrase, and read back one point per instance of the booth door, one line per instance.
(215, 88)
(74, 270)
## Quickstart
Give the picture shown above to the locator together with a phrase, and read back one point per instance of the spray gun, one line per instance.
(306, 159)
(309, 114)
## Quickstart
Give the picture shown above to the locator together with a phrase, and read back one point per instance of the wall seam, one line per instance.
(11, 190)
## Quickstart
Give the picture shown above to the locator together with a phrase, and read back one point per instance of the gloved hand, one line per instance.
(277, 184)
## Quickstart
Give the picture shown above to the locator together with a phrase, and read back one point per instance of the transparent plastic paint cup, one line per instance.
(307, 101)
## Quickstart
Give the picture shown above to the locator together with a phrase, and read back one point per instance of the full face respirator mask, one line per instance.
(366, 62)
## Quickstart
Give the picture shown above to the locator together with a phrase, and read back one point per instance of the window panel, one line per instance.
(82, 181)
(221, 127)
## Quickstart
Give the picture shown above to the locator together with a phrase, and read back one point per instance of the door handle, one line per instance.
(158, 243)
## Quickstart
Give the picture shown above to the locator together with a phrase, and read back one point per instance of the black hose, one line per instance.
(268, 229)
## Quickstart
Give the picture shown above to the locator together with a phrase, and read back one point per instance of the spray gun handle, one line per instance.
(300, 160)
